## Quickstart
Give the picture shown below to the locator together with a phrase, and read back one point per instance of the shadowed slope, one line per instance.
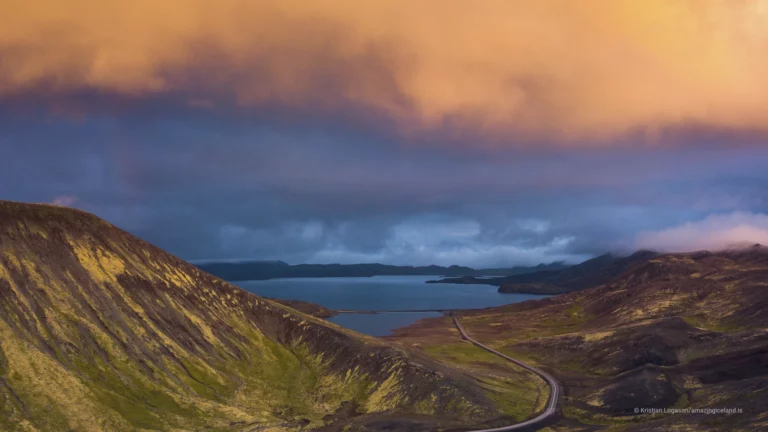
(102, 331)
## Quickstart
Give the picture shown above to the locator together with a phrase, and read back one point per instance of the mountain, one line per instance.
(673, 331)
(592, 272)
(260, 270)
(100, 330)
(517, 270)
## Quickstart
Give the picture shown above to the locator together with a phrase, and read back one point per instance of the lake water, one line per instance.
(382, 293)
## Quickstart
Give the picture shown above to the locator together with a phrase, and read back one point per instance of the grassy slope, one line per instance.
(101, 331)
(676, 331)
(516, 392)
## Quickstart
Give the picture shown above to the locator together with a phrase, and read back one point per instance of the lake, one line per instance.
(382, 293)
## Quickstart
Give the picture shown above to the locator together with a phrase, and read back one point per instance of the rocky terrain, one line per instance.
(670, 332)
(102, 331)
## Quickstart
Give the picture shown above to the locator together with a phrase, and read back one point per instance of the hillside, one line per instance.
(102, 331)
(673, 331)
(260, 270)
(593, 272)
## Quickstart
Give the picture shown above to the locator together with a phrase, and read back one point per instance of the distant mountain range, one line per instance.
(261, 270)
(593, 272)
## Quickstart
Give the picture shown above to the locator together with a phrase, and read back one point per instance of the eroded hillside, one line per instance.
(102, 331)
(673, 331)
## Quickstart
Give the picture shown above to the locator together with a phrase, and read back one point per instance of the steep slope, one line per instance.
(675, 331)
(102, 331)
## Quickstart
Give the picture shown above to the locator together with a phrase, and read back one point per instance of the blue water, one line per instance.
(380, 324)
(383, 292)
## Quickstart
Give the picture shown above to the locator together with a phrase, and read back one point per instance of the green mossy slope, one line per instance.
(102, 331)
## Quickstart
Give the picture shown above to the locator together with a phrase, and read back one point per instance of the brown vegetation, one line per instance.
(672, 331)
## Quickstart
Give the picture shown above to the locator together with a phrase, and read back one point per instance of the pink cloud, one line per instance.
(65, 200)
(716, 232)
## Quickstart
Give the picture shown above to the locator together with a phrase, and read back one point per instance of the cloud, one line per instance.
(716, 232)
(534, 225)
(476, 254)
(212, 190)
(65, 200)
(573, 72)
(416, 240)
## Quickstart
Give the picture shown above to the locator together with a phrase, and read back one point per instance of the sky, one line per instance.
(486, 133)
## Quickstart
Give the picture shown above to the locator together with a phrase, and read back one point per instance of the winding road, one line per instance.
(554, 394)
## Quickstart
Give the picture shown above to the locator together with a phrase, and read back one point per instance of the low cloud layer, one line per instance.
(412, 240)
(716, 232)
(445, 241)
(578, 72)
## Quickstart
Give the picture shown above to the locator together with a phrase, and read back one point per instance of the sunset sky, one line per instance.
(482, 133)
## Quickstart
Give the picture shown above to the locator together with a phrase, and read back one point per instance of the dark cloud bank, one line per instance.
(217, 190)
(393, 132)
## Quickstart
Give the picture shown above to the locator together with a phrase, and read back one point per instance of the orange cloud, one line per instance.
(586, 70)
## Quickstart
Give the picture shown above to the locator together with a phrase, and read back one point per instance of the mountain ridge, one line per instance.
(263, 270)
(592, 272)
(103, 331)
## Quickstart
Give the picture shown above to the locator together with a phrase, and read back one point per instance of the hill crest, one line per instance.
(102, 331)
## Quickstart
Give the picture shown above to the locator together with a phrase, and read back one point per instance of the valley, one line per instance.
(102, 331)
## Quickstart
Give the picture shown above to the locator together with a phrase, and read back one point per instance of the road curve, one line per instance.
(554, 394)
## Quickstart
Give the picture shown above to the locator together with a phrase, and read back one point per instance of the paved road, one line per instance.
(381, 311)
(554, 395)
